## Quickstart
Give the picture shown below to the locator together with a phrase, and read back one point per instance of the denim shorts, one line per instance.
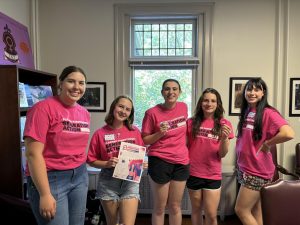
(113, 189)
(251, 181)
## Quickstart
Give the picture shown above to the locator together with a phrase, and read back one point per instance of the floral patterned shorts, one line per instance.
(251, 181)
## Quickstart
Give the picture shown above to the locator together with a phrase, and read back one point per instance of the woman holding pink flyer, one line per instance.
(119, 197)
(208, 135)
(164, 130)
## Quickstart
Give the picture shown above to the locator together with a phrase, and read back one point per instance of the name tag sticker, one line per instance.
(109, 137)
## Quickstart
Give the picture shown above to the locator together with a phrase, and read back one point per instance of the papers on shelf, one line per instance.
(22, 95)
(29, 95)
(22, 126)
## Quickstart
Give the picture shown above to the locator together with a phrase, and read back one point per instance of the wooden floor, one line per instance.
(143, 219)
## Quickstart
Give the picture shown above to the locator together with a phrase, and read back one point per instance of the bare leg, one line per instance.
(160, 197)
(196, 202)
(111, 211)
(128, 211)
(245, 203)
(176, 190)
(257, 213)
(211, 199)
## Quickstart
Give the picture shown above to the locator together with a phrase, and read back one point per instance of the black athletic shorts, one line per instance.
(196, 183)
(162, 172)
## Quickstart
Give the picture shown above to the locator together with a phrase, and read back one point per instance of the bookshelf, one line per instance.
(11, 172)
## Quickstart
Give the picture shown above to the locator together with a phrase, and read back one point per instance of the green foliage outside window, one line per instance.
(147, 89)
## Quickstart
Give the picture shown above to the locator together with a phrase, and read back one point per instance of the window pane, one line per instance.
(138, 27)
(147, 87)
(180, 27)
(164, 39)
(155, 39)
(179, 39)
(147, 40)
(171, 39)
(188, 39)
(138, 39)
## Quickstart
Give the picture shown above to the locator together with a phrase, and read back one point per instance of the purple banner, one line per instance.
(15, 46)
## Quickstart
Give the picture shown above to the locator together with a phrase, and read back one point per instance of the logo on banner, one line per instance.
(10, 52)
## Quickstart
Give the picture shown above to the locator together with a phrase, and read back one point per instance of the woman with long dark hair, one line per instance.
(208, 135)
(260, 127)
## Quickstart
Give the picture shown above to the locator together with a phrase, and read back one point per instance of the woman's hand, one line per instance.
(47, 206)
(112, 162)
(225, 132)
(145, 165)
(264, 148)
(164, 126)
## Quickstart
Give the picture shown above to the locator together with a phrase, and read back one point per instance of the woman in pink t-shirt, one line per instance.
(260, 127)
(119, 198)
(208, 136)
(164, 130)
(56, 136)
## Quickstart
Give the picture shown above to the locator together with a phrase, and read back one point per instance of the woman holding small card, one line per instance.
(164, 129)
(208, 135)
(119, 198)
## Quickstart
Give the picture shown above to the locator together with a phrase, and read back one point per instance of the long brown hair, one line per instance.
(109, 119)
(198, 116)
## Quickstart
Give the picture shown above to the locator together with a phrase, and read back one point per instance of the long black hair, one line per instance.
(198, 116)
(260, 106)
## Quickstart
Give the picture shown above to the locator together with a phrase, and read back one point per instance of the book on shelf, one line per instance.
(23, 159)
(22, 126)
(22, 95)
(130, 166)
(35, 94)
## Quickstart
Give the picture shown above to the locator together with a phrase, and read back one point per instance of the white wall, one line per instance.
(18, 10)
(250, 38)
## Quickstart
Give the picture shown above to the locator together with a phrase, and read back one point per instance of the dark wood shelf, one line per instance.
(11, 172)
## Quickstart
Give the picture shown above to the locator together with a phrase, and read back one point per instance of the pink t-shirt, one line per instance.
(172, 146)
(64, 130)
(204, 150)
(260, 164)
(105, 142)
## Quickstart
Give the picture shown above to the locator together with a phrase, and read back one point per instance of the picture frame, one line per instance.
(294, 104)
(236, 85)
(94, 98)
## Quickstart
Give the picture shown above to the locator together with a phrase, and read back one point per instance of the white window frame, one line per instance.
(123, 15)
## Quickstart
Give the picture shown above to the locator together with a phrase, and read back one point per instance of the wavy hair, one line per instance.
(109, 118)
(198, 116)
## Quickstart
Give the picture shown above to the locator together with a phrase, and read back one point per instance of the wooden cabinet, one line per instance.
(11, 172)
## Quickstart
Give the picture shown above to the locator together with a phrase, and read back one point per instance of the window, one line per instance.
(160, 41)
(163, 38)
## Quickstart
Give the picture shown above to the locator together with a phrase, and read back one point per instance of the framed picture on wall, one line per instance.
(294, 109)
(94, 98)
(236, 85)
